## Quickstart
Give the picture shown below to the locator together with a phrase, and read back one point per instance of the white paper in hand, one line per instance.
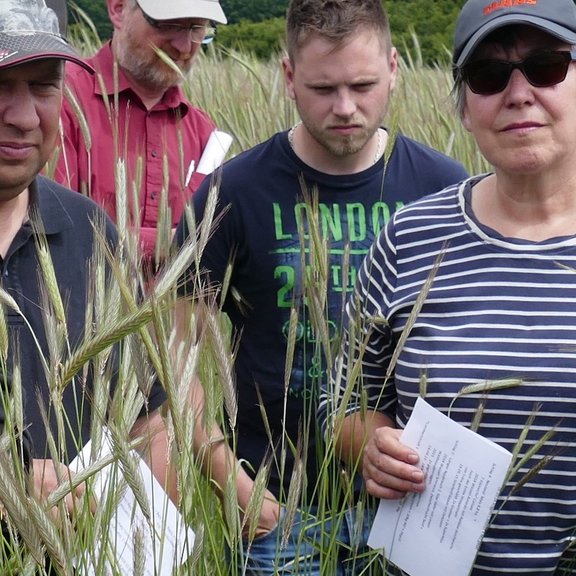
(439, 531)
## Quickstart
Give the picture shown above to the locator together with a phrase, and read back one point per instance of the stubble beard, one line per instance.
(148, 69)
(342, 147)
(348, 146)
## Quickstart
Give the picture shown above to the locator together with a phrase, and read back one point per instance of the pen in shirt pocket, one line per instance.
(189, 173)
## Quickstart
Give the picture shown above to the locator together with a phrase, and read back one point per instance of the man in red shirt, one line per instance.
(134, 111)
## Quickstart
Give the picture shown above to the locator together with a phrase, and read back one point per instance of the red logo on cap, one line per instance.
(493, 6)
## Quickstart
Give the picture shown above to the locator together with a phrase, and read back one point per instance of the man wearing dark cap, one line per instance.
(41, 220)
(138, 113)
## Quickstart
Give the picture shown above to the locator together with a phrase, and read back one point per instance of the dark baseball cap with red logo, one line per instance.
(30, 30)
(478, 18)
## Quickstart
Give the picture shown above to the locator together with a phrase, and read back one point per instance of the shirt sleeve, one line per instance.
(212, 217)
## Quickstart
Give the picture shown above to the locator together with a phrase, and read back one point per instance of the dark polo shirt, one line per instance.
(68, 221)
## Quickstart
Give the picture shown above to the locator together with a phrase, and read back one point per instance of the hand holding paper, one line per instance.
(439, 530)
(390, 468)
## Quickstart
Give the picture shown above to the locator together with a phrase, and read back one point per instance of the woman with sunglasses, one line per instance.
(490, 267)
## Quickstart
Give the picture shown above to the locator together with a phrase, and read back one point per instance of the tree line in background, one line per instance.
(419, 27)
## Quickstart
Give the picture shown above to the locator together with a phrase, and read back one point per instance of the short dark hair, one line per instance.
(334, 20)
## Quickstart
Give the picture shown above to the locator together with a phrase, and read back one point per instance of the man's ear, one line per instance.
(288, 70)
(116, 11)
(393, 62)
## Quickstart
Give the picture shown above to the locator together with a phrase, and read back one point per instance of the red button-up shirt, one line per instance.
(157, 146)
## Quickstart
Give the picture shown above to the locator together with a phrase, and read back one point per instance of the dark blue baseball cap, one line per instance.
(478, 18)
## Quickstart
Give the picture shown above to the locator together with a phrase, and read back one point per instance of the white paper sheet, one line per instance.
(439, 531)
(165, 540)
(215, 152)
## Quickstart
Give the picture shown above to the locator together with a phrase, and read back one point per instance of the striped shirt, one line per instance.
(498, 309)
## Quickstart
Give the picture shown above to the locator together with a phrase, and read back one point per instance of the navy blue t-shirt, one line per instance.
(264, 232)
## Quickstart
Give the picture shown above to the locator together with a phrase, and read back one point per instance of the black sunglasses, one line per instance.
(543, 69)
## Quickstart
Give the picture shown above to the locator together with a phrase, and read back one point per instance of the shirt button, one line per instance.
(154, 153)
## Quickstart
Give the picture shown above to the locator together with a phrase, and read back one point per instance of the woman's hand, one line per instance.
(390, 468)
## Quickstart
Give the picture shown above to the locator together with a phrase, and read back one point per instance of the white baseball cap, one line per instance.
(174, 9)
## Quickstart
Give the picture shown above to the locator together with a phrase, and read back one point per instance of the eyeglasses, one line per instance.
(486, 77)
(199, 33)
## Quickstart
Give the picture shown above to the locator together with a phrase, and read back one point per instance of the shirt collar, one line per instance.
(45, 204)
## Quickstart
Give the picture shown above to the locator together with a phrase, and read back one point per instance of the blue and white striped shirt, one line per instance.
(497, 309)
